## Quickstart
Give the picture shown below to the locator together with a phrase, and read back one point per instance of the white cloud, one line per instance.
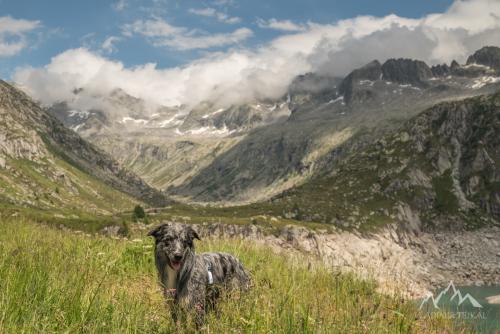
(152, 28)
(473, 16)
(283, 25)
(13, 34)
(161, 33)
(109, 44)
(221, 3)
(242, 75)
(119, 5)
(212, 12)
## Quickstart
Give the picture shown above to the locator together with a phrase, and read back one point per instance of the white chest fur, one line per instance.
(171, 277)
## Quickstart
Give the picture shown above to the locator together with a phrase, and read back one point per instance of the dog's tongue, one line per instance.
(176, 265)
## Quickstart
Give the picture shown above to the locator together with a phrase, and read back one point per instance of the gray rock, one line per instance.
(406, 71)
(488, 56)
(111, 230)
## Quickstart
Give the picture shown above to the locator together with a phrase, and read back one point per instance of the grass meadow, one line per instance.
(59, 281)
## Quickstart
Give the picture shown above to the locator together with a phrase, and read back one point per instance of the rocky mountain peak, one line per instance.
(441, 70)
(406, 71)
(371, 71)
(487, 56)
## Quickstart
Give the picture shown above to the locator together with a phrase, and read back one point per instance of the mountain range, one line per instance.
(249, 152)
(398, 140)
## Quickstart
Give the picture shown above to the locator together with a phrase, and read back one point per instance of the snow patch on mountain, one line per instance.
(483, 81)
(218, 111)
(207, 131)
(83, 114)
(133, 120)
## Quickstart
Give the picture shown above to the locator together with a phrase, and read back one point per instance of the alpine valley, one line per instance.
(391, 172)
(230, 154)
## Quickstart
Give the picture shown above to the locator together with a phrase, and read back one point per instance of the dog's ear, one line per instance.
(156, 232)
(192, 234)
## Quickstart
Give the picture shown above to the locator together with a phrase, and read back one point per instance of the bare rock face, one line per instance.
(487, 56)
(406, 71)
(441, 70)
(18, 139)
(371, 71)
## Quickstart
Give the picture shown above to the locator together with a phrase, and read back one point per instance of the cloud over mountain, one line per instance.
(240, 75)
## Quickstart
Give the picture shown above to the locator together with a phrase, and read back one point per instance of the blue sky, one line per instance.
(68, 24)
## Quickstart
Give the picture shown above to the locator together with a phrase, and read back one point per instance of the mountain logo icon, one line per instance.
(455, 294)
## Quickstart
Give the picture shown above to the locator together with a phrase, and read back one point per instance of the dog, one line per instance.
(193, 282)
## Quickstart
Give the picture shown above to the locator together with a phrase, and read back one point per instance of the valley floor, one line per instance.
(56, 280)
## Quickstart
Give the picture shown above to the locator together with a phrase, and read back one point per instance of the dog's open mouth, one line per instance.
(176, 265)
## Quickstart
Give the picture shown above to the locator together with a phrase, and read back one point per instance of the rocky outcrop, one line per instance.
(371, 71)
(406, 71)
(441, 70)
(487, 56)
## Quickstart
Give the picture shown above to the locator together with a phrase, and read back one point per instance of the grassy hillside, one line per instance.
(56, 281)
(59, 186)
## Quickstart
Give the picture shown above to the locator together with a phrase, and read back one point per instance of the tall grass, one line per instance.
(53, 281)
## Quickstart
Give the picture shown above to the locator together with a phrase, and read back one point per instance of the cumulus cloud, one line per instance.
(212, 12)
(243, 75)
(13, 34)
(162, 33)
(283, 25)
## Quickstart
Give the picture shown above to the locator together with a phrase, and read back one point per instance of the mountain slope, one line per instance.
(43, 164)
(328, 120)
(441, 169)
(250, 152)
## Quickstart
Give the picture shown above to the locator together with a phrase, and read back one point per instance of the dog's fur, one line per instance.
(185, 276)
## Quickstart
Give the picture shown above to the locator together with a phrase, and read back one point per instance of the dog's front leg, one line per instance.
(193, 302)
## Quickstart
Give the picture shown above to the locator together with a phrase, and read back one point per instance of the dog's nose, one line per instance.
(177, 257)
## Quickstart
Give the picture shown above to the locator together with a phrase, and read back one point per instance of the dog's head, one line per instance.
(175, 241)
